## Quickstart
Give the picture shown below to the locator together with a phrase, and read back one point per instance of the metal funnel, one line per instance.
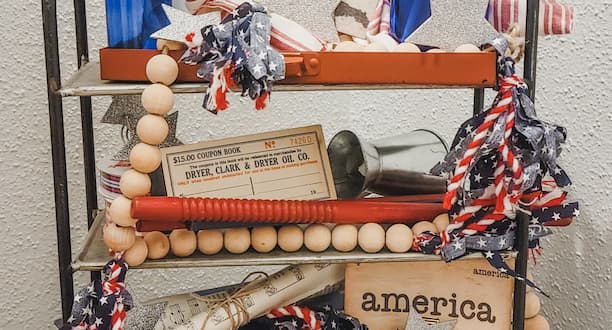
(396, 165)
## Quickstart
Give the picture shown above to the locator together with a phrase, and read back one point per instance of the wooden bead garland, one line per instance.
(317, 237)
(183, 242)
(290, 238)
(210, 241)
(263, 239)
(399, 238)
(237, 240)
(371, 237)
(145, 157)
(344, 238)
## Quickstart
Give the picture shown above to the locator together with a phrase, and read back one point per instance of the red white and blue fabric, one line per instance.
(103, 304)
(236, 52)
(305, 318)
(502, 161)
(286, 35)
(555, 18)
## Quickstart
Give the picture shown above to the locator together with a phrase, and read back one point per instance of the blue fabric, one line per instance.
(130, 23)
(407, 16)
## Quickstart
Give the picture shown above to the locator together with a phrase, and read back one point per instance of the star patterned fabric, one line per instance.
(236, 51)
(102, 304)
(304, 318)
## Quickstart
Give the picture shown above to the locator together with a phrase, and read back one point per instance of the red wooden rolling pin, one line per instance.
(181, 209)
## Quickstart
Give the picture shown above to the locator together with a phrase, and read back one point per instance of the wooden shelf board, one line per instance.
(94, 255)
(87, 82)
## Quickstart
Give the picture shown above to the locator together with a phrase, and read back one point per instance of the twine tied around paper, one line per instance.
(234, 299)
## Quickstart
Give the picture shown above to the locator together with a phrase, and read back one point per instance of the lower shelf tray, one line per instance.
(94, 255)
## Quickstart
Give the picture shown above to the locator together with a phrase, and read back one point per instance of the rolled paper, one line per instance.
(283, 288)
(181, 209)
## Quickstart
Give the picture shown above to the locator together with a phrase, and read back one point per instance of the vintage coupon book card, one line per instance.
(287, 164)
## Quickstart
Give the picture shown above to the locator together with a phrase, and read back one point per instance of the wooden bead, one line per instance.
(137, 254)
(317, 237)
(263, 239)
(118, 238)
(237, 240)
(152, 129)
(290, 238)
(162, 69)
(374, 47)
(399, 238)
(467, 48)
(436, 50)
(158, 244)
(120, 211)
(170, 44)
(371, 237)
(407, 47)
(532, 305)
(344, 238)
(210, 241)
(348, 46)
(145, 158)
(134, 183)
(537, 323)
(157, 99)
(183, 242)
(423, 226)
(441, 222)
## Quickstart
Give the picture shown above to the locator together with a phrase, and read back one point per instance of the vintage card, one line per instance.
(287, 164)
(470, 291)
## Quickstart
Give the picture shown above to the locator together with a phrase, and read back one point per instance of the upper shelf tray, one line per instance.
(94, 255)
(304, 71)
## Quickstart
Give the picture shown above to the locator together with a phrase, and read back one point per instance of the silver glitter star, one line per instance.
(126, 110)
(415, 322)
(182, 23)
(454, 23)
(319, 20)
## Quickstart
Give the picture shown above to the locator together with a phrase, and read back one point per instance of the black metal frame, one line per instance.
(58, 149)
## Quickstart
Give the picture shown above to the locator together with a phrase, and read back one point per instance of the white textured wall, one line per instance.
(573, 90)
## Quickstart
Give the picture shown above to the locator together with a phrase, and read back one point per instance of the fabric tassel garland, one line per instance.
(103, 304)
(501, 162)
(236, 52)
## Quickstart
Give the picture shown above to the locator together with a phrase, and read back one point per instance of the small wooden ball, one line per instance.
(371, 237)
(532, 305)
(183, 242)
(145, 158)
(436, 50)
(162, 69)
(399, 238)
(374, 47)
(152, 129)
(344, 238)
(423, 226)
(157, 99)
(537, 323)
(170, 44)
(317, 237)
(237, 240)
(407, 47)
(210, 241)
(467, 48)
(137, 254)
(158, 244)
(263, 239)
(118, 238)
(348, 46)
(120, 211)
(290, 238)
(441, 222)
(134, 183)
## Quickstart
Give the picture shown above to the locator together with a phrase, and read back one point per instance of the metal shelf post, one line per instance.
(58, 153)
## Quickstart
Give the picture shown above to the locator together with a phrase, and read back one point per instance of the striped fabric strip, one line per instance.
(555, 18)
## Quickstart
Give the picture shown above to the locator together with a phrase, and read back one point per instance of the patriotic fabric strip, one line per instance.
(286, 35)
(103, 304)
(305, 318)
(237, 51)
(555, 18)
